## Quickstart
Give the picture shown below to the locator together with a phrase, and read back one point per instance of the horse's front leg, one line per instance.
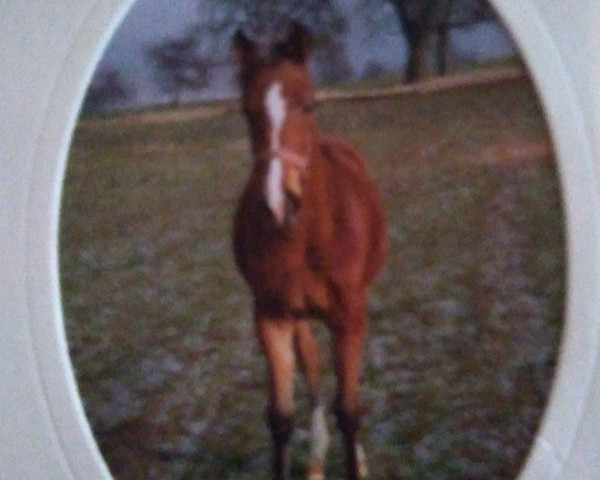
(276, 338)
(307, 349)
(348, 340)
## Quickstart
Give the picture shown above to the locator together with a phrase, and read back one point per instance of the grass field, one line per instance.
(466, 318)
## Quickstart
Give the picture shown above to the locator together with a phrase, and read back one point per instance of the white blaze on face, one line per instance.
(275, 106)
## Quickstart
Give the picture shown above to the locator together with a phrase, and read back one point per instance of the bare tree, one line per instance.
(179, 65)
(268, 22)
(426, 25)
(106, 90)
(332, 62)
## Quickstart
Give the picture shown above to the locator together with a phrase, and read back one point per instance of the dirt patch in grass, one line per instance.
(466, 318)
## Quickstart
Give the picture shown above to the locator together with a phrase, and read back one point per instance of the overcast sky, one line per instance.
(149, 21)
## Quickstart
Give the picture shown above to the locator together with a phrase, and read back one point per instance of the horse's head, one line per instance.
(278, 99)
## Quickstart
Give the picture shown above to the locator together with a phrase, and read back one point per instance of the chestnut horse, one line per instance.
(310, 236)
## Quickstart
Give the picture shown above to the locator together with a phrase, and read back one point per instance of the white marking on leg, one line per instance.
(319, 443)
(319, 433)
(361, 460)
(276, 110)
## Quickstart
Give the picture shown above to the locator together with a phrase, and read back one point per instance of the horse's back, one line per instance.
(345, 156)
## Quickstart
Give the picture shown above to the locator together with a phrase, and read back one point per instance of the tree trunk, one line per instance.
(441, 49)
(416, 22)
(417, 66)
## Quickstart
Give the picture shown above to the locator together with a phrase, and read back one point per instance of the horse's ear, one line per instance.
(243, 48)
(298, 45)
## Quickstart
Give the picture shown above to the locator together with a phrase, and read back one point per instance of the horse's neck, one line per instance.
(317, 192)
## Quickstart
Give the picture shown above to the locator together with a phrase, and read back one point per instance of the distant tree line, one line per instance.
(183, 63)
(425, 24)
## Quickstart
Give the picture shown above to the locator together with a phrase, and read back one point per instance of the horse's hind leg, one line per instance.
(348, 339)
(308, 353)
(276, 337)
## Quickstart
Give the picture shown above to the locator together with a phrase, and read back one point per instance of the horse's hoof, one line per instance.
(361, 463)
(363, 471)
(316, 470)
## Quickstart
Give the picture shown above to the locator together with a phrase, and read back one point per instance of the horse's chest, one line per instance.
(281, 258)
(303, 244)
(287, 269)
